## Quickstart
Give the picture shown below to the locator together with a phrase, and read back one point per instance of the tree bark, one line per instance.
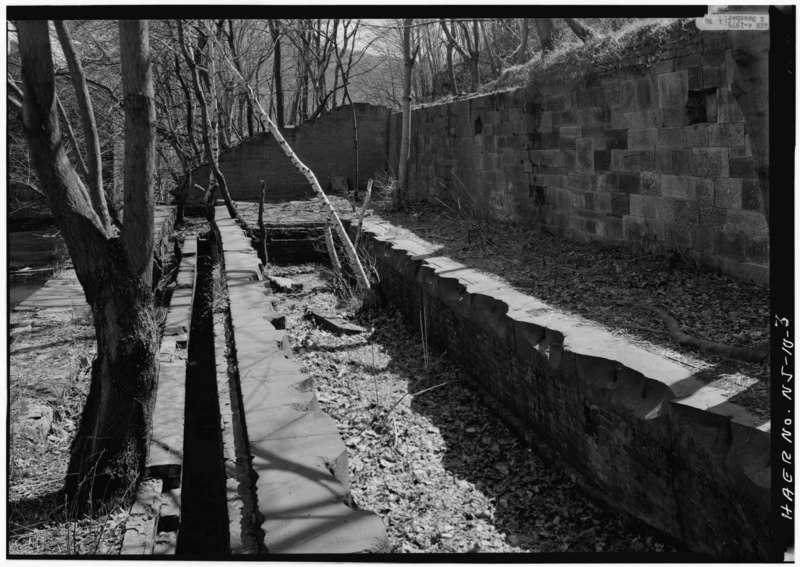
(208, 132)
(472, 53)
(92, 140)
(355, 263)
(451, 72)
(261, 226)
(584, 33)
(546, 31)
(345, 81)
(402, 164)
(274, 29)
(492, 59)
(71, 135)
(108, 451)
(522, 55)
(140, 138)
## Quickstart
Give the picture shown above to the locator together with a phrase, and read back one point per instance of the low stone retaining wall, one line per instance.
(299, 462)
(635, 427)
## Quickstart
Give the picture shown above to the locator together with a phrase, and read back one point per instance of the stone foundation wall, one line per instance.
(640, 430)
(662, 149)
(324, 144)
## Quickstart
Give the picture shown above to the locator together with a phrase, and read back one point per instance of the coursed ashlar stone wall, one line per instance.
(324, 144)
(652, 151)
(640, 430)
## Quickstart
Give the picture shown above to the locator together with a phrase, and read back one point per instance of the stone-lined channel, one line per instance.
(442, 470)
(424, 449)
(204, 526)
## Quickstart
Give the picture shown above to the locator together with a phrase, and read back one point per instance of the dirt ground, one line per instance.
(50, 354)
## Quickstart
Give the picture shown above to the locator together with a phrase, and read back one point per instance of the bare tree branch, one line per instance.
(91, 137)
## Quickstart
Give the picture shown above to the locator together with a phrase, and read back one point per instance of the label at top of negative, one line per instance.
(737, 22)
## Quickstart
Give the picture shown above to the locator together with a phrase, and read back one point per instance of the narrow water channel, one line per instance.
(204, 519)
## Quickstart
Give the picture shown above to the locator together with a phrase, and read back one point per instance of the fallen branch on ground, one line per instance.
(403, 397)
(746, 354)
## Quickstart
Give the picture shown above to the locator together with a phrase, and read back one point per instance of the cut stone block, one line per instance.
(35, 425)
(140, 529)
(285, 285)
(335, 324)
(165, 456)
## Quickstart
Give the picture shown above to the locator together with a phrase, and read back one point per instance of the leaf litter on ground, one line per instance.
(428, 455)
(50, 356)
(609, 285)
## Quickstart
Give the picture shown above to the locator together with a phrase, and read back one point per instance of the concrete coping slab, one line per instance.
(580, 336)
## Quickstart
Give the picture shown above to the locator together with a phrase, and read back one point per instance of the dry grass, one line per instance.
(50, 359)
(571, 56)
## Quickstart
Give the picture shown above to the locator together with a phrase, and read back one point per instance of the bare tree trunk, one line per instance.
(361, 215)
(584, 33)
(262, 227)
(140, 144)
(95, 178)
(408, 64)
(492, 59)
(336, 265)
(249, 119)
(355, 263)
(209, 135)
(71, 135)
(345, 85)
(546, 31)
(108, 451)
(189, 108)
(522, 55)
(274, 28)
(474, 54)
(225, 109)
(451, 72)
(183, 193)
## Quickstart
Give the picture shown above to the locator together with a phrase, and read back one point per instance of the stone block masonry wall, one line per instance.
(654, 151)
(640, 430)
(325, 145)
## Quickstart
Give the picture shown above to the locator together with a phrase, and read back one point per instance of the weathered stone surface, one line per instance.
(36, 424)
(675, 116)
(165, 456)
(551, 366)
(298, 459)
(335, 324)
(140, 529)
(338, 185)
(284, 285)
(63, 292)
(165, 453)
(673, 88)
